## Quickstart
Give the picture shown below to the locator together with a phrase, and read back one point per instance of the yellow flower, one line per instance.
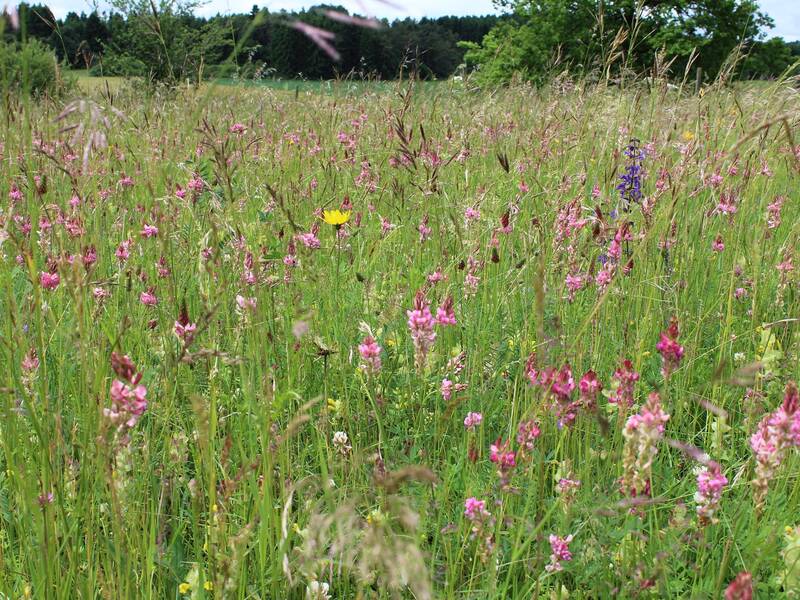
(185, 587)
(208, 586)
(688, 136)
(336, 217)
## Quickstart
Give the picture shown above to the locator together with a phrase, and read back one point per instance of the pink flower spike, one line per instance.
(49, 281)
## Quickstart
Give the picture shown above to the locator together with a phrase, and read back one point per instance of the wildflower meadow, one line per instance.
(409, 341)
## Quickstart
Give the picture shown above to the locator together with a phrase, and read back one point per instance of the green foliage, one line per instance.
(174, 43)
(616, 35)
(29, 68)
(113, 64)
(770, 58)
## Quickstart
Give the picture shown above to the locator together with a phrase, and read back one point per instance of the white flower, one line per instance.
(318, 591)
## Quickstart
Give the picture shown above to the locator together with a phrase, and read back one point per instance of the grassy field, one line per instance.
(529, 344)
(89, 84)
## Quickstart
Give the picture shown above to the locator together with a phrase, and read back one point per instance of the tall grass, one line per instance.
(230, 485)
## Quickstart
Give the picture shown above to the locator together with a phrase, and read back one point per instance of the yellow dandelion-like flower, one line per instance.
(185, 587)
(336, 217)
(208, 586)
(688, 136)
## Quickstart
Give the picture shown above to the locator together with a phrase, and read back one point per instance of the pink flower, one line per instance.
(238, 128)
(424, 230)
(472, 214)
(447, 389)
(245, 303)
(148, 298)
(445, 314)
(574, 282)
(777, 433)
(473, 420)
(127, 404)
(623, 383)
(370, 353)
(718, 245)
(710, 482)
(642, 432)
(184, 329)
(605, 275)
(15, 195)
(774, 212)
(435, 277)
(590, 388)
(386, 226)
(559, 552)
(475, 509)
(49, 281)
(671, 351)
(501, 455)
(527, 432)
(123, 250)
(741, 588)
(30, 362)
(309, 240)
(421, 325)
(149, 231)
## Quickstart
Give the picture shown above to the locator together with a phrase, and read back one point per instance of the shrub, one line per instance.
(115, 64)
(30, 68)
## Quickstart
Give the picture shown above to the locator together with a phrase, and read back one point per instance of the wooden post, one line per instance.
(699, 80)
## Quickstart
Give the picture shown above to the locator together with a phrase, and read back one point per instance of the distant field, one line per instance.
(90, 83)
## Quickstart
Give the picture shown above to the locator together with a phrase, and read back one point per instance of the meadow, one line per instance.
(401, 343)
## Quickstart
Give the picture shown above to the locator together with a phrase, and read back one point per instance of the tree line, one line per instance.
(178, 43)
(532, 40)
(541, 38)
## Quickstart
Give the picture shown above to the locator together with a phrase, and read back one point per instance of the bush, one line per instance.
(115, 64)
(30, 68)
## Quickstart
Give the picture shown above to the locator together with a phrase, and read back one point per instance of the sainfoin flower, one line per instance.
(481, 524)
(49, 281)
(445, 314)
(370, 353)
(559, 552)
(421, 325)
(148, 298)
(642, 432)
(669, 348)
(590, 387)
(777, 433)
(710, 482)
(741, 588)
(472, 420)
(149, 231)
(475, 509)
(127, 404)
(502, 455)
(623, 383)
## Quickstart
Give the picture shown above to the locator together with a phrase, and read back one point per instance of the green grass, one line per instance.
(231, 475)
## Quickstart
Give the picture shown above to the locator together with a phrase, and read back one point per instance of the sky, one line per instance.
(785, 13)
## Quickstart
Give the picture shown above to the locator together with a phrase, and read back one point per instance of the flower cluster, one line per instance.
(669, 348)
(710, 482)
(623, 383)
(128, 397)
(642, 433)
(559, 553)
(481, 521)
(421, 325)
(370, 353)
(777, 433)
